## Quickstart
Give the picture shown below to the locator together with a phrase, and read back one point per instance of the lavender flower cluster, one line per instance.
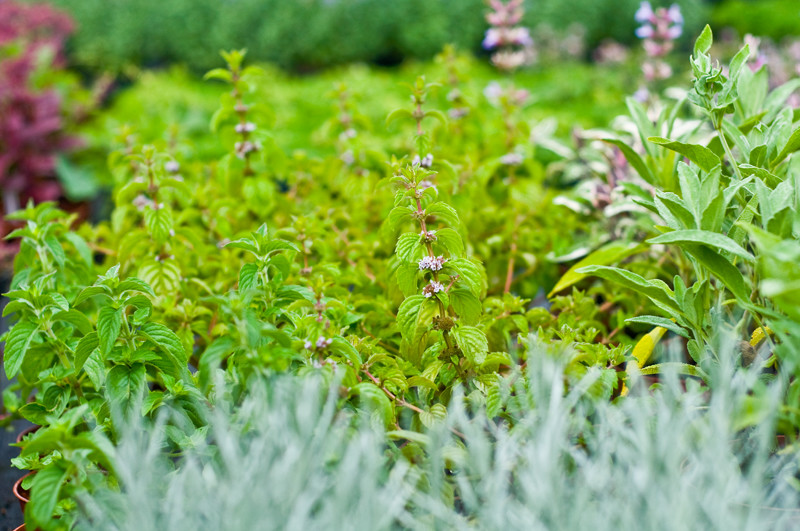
(511, 41)
(659, 29)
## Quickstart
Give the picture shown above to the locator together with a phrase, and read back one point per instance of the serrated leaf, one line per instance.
(18, 340)
(109, 321)
(451, 241)
(212, 357)
(86, 346)
(88, 292)
(167, 341)
(159, 223)
(248, 277)
(126, 385)
(397, 216)
(375, 399)
(470, 273)
(466, 305)
(407, 278)
(45, 493)
(421, 381)
(407, 246)
(135, 284)
(56, 251)
(76, 319)
(436, 414)
(472, 342)
(343, 347)
(443, 213)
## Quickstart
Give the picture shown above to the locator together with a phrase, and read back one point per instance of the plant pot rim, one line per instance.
(26, 431)
(18, 492)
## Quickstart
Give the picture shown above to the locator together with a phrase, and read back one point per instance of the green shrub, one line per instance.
(305, 34)
(769, 18)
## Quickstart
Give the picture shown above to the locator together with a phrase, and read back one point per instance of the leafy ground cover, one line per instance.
(449, 296)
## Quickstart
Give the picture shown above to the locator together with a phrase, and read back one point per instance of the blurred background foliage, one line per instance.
(311, 34)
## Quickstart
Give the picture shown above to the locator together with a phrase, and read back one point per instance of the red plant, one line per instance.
(31, 122)
(32, 133)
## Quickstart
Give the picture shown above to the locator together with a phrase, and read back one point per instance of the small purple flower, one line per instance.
(520, 37)
(247, 127)
(432, 263)
(429, 236)
(645, 32)
(427, 162)
(492, 39)
(674, 14)
(323, 343)
(512, 159)
(645, 13)
(432, 288)
(172, 166)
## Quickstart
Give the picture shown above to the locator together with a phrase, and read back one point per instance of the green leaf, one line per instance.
(135, 284)
(469, 272)
(421, 381)
(375, 399)
(656, 291)
(86, 346)
(407, 278)
(54, 246)
(412, 436)
(397, 114)
(89, 292)
(343, 347)
(659, 321)
(248, 277)
(126, 385)
(407, 246)
(706, 159)
(219, 73)
(44, 495)
(472, 343)
(702, 237)
(76, 319)
(159, 223)
(634, 160)
(677, 367)
(244, 243)
(443, 213)
(18, 340)
(397, 216)
(408, 316)
(212, 357)
(466, 305)
(704, 41)
(451, 241)
(167, 341)
(109, 321)
(723, 270)
(792, 145)
(608, 254)
(436, 414)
